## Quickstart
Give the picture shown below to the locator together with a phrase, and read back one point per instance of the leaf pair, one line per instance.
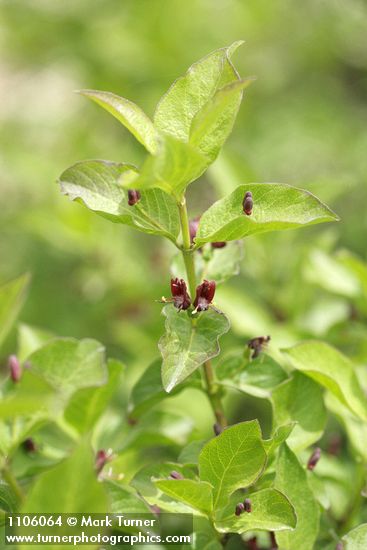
(233, 460)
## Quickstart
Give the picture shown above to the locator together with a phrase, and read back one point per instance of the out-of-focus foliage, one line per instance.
(303, 123)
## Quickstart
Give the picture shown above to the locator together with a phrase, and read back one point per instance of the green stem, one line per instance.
(188, 256)
(12, 482)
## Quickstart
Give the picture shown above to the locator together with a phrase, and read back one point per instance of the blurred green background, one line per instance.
(303, 122)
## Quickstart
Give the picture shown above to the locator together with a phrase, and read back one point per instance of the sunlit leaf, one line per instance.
(196, 494)
(186, 344)
(96, 183)
(356, 539)
(291, 480)
(276, 206)
(330, 368)
(232, 460)
(129, 114)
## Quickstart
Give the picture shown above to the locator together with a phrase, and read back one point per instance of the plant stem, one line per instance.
(12, 482)
(188, 256)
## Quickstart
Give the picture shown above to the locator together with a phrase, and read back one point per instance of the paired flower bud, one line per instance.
(257, 344)
(314, 458)
(14, 368)
(248, 203)
(181, 298)
(204, 295)
(133, 196)
(244, 506)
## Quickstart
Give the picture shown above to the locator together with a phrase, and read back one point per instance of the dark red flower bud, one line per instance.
(247, 505)
(239, 509)
(335, 445)
(102, 457)
(252, 544)
(314, 458)
(181, 298)
(204, 295)
(219, 244)
(248, 203)
(133, 196)
(14, 368)
(217, 428)
(257, 344)
(29, 445)
(193, 227)
(273, 541)
(176, 475)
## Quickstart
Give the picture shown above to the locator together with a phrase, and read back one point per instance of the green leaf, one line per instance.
(190, 453)
(257, 377)
(280, 435)
(87, 404)
(300, 400)
(172, 168)
(30, 339)
(331, 369)
(213, 124)
(291, 480)
(30, 395)
(190, 93)
(232, 460)
(143, 483)
(97, 184)
(271, 511)
(148, 390)
(356, 539)
(84, 493)
(196, 494)
(8, 500)
(188, 343)
(12, 297)
(124, 499)
(68, 364)
(204, 536)
(276, 206)
(129, 114)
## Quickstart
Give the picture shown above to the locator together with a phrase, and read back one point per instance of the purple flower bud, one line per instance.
(102, 457)
(204, 295)
(14, 368)
(252, 544)
(29, 445)
(217, 429)
(247, 505)
(239, 509)
(176, 475)
(133, 196)
(219, 244)
(248, 203)
(193, 227)
(314, 458)
(257, 344)
(181, 298)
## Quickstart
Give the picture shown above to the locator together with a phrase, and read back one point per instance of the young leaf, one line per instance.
(12, 296)
(96, 183)
(190, 453)
(148, 390)
(280, 435)
(196, 494)
(186, 344)
(276, 206)
(30, 339)
(87, 404)
(257, 377)
(123, 498)
(32, 394)
(213, 124)
(356, 539)
(190, 93)
(291, 480)
(129, 114)
(67, 364)
(300, 400)
(175, 165)
(270, 511)
(71, 487)
(232, 460)
(331, 369)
